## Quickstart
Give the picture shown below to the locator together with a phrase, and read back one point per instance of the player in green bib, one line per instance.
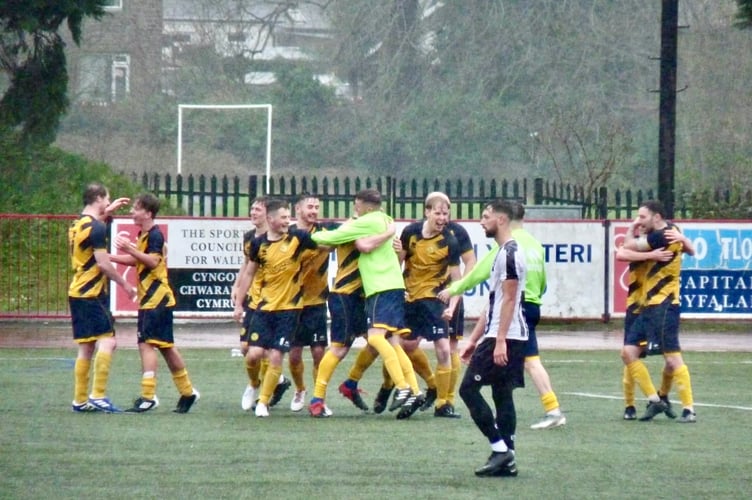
(384, 289)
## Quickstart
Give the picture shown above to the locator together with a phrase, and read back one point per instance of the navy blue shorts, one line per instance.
(532, 317)
(660, 326)
(155, 326)
(247, 316)
(273, 329)
(311, 329)
(483, 371)
(386, 310)
(630, 316)
(457, 323)
(348, 313)
(423, 318)
(91, 319)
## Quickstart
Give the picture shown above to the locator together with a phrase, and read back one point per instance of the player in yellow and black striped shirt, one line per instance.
(431, 254)
(88, 297)
(278, 256)
(635, 343)
(658, 320)
(314, 279)
(156, 301)
(255, 369)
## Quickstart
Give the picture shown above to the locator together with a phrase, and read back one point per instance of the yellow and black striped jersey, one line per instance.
(662, 278)
(87, 235)
(279, 263)
(463, 238)
(427, 261)
(254, 291)
(347, 280)
(315, 272)
(153, 286)
(635, 281)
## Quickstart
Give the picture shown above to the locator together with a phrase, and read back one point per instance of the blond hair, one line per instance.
(436, 196)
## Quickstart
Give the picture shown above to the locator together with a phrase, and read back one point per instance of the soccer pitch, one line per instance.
(219, 451)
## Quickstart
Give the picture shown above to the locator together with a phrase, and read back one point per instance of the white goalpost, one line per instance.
(267, 107)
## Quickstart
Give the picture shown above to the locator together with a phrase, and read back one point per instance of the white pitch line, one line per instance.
(549, 361)
(704, 405)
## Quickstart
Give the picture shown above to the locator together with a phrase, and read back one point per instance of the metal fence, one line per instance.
(35, 264)
(34, 248)
(225, 196)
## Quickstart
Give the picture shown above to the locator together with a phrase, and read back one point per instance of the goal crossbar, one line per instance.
(267, 107)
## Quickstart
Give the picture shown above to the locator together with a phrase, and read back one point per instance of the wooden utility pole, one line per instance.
(667, 107)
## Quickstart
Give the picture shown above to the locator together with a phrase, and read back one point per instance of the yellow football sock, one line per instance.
(628, 385)
(102, 363)
(182, 382)
(684, 386)
(549, 401)
(365, 359)
(315, 372)
(81, 380)
(443, 376)
(456, 363)
(326, 369)
(422, 366)
(407, 369)
(667, 379)
(639, 373)
(387, 382)
(296, 371)
(253, 368)
(148, 385)
(263, 365)
(389, 357)
(271, 378)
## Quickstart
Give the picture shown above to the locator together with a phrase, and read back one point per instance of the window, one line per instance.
(113, 4)
(104, 78)
(176, 38)
(236, 37)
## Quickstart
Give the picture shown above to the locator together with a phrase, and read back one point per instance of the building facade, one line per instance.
(119, 56)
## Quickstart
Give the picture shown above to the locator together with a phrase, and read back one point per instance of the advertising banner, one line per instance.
(203, 258)
(575, 268)
(204, 255)
(715, 283)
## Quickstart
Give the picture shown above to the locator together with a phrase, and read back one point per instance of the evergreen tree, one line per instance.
(32, 57)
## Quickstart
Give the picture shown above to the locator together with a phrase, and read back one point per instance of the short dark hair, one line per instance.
(148, 202)
(500, 206)
(93, 191)
(519, 211)
(261, 200)
(304, 196)
(274, 204)
(656, 207)
(369, 195)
